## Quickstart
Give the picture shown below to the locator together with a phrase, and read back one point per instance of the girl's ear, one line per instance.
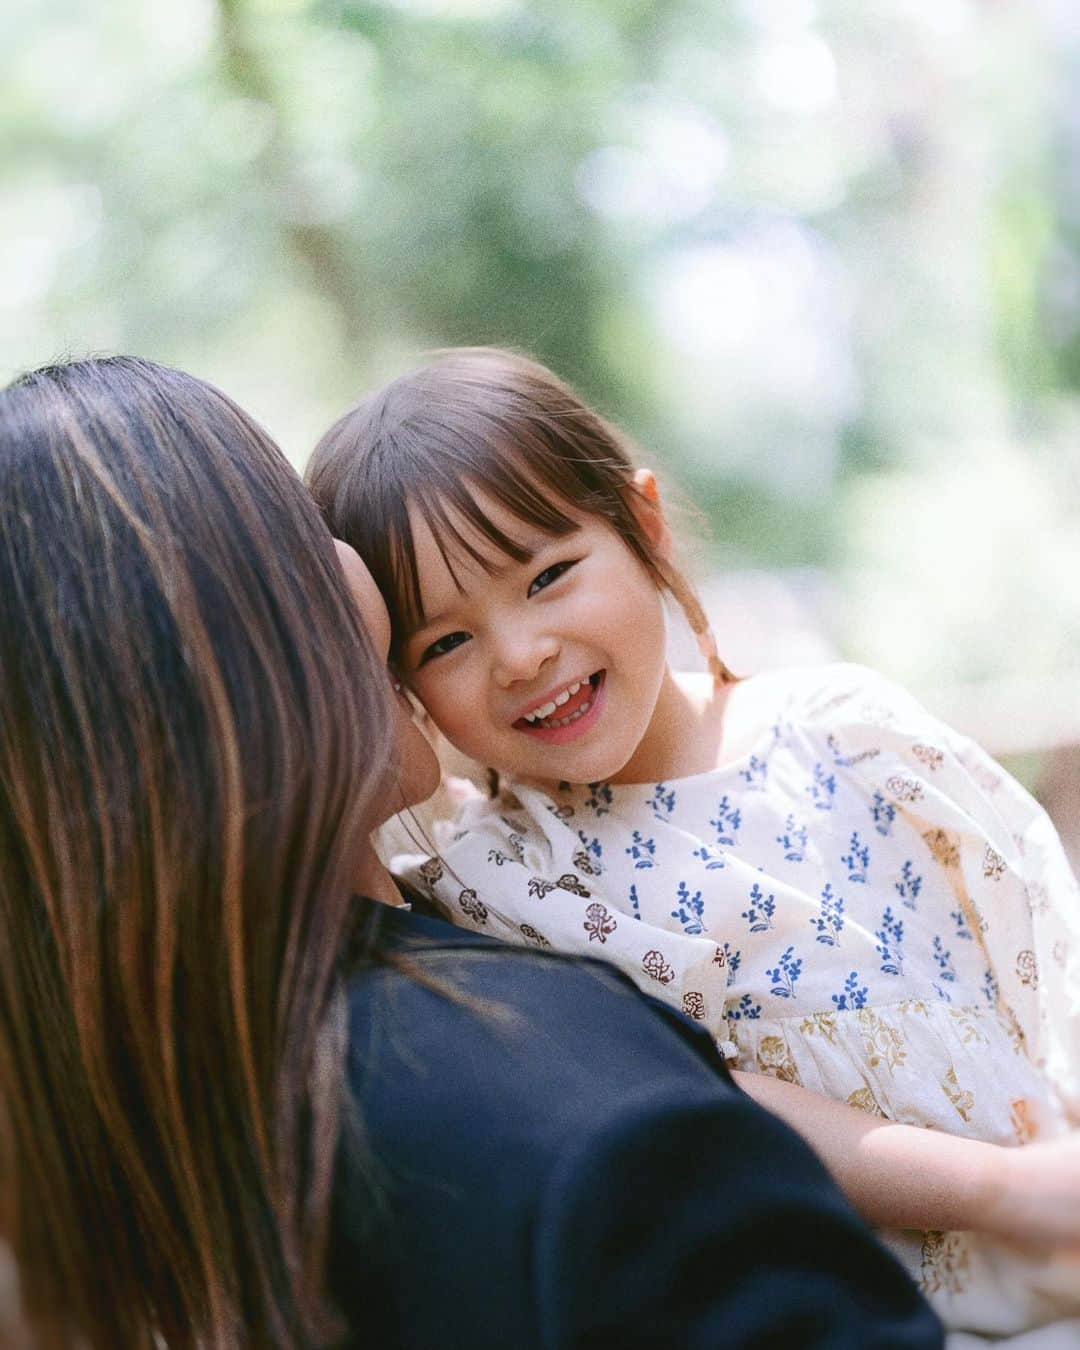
(649, 513)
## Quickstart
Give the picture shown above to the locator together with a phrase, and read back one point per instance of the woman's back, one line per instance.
(559, 1162)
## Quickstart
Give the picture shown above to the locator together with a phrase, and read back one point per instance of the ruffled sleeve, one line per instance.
(996, 845)
(512, 868)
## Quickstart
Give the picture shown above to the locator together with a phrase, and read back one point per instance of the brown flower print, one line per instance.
(473, 907)
(431, 869)
(654, 965)
(599, 923)
(533, 936)
(905, 789)
(1038, 897)
(1027, 968)
(569, 882)
(929, 755)
(993, 864)
(693, 1004)
(538, 887)
(583, 863)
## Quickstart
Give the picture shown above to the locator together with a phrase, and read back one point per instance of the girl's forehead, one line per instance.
(447, 541)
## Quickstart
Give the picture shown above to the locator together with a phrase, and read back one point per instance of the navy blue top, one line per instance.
(551, 1159)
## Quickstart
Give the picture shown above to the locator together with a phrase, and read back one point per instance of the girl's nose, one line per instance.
(519, 657)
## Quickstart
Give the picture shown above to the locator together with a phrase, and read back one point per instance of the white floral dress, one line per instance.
(864, 904)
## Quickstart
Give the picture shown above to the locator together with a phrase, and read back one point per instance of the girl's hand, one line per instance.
(1034, 1199)
(903, 1176)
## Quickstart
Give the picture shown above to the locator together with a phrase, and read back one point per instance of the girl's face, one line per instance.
(550, 669)
(416, 767)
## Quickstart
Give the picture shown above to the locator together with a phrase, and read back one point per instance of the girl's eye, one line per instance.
(443, 645)
(548, 575)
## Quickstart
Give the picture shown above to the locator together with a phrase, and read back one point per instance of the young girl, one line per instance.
(857, 902)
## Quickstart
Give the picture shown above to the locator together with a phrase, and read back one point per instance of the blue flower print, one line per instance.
(732, 959)
(635, 903)
(755, 773)
(591, 846)
(746, 1010)
(944, 960)
(784, 974)
(858, 860)
(599, 798)
(830, 921)
(709, 857)
(727, 822)
(883, 814)
(690, 910)
(762, 908)
(823, 788)
(942, 994)
(962, 929)
(663, 802)
(852, 997)
(909, 885)
(793, 840)
(991, 989)
(890, 940)
(780, 731)
(841, 760)
(643, 851)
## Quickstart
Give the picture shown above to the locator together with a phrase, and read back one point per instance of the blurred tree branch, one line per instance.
(318, 247)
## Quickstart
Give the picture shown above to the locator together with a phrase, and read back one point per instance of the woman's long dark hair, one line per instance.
(192, 730)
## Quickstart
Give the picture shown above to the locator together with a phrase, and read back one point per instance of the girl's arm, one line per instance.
(903, 1176)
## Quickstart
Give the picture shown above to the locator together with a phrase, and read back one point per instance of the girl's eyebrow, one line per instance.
(530, 548)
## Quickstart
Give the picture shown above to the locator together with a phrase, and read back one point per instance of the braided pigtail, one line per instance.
(692, 608)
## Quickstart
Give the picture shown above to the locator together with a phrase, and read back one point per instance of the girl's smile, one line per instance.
(571, 713)
(549, 668)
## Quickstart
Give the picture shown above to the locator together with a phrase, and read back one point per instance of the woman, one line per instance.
(240, 1107)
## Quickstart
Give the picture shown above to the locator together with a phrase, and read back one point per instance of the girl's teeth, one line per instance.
(565, 721)
(542, 713)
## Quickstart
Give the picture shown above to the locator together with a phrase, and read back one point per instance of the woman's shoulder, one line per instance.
(517, 1115)
(465, 1005)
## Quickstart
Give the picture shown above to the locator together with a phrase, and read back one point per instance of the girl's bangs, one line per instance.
(540, 494)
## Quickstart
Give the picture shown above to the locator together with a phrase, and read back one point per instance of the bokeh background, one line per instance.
(822, 260)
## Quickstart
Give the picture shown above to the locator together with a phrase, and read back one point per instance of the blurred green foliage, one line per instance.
(821, 260)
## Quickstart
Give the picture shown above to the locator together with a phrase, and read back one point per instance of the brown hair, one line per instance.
(193, 731)
(479, 417)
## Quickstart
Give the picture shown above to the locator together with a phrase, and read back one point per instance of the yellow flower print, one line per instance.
(884, 1044)
(774, 1058)
(961, 1098)
(945, 1262)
